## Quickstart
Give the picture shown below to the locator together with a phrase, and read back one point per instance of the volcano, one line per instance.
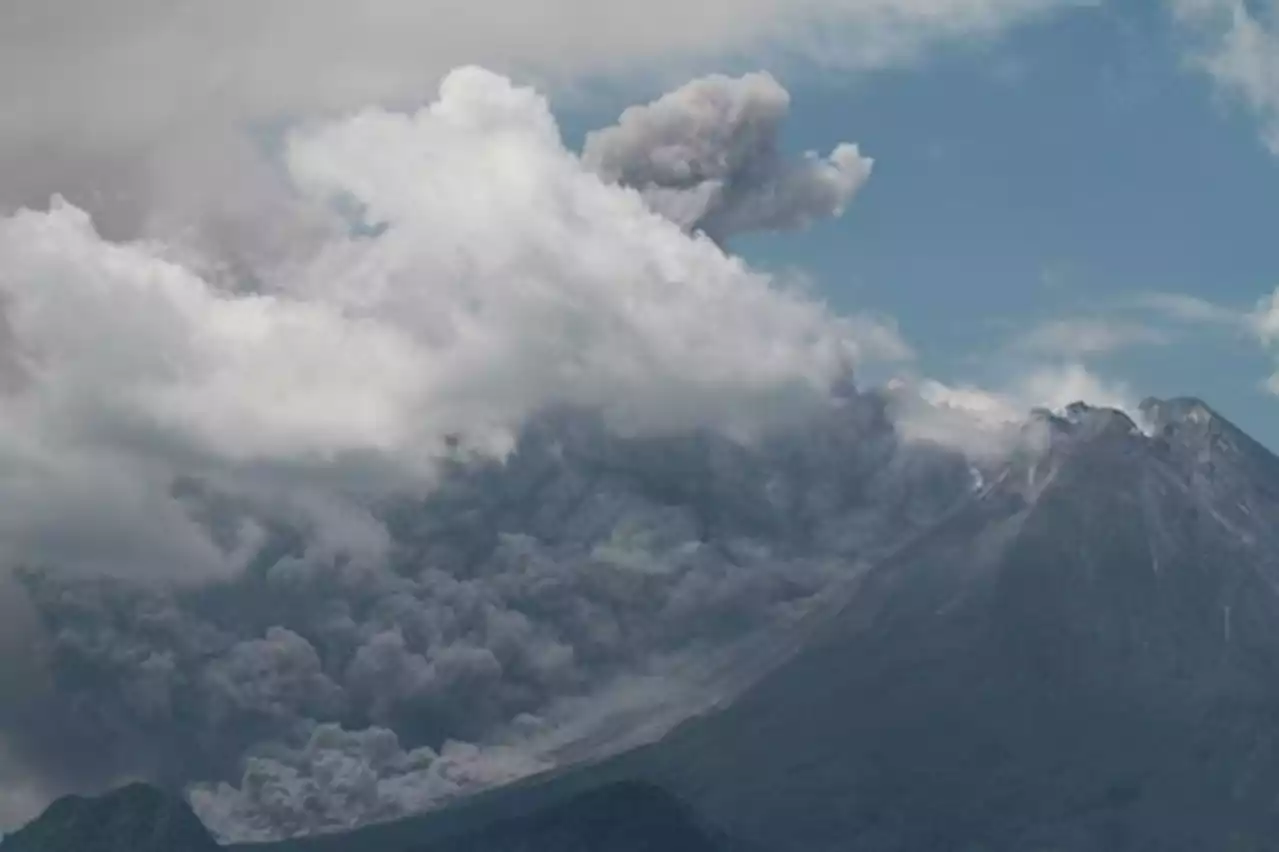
(1081, 656)
(1077, 653)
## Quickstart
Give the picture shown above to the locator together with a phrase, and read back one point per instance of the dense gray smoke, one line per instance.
(707, 156)
(324, 690)
(295, 527)
(355, 463)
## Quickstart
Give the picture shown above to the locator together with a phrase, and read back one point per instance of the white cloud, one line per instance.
(1085, 336)
(142, 69)
(978, 422)
(142, 124)
(1187, 308)
(1263, 319)
(507, 277)
(1258, 323)
(1056, 386)
(1235, 45)
(987, 422)
(1266, 327)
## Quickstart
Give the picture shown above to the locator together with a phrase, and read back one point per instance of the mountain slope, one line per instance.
(135, 818)
(1080, 658)
(1084, 658)
(622, 817)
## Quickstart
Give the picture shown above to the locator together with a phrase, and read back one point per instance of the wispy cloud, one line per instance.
(1182, 307)
(985, 421)
(1236, 46)
(1085, 336)
(1258, 322)
(1265, 325)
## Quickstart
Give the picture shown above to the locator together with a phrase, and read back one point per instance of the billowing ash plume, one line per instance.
(706, 156)
(319, 535)
(324, 690)
(495, 275)
(499, 473)
(349, 777)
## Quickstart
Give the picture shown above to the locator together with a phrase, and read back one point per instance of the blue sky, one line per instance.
(1066, 170)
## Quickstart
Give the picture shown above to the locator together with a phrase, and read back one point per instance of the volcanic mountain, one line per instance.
(1078, 653)
(1082, 656)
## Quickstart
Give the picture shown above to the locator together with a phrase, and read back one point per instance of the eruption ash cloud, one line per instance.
(351, 477)
(706, 156)
(214, 484)
(497, 276)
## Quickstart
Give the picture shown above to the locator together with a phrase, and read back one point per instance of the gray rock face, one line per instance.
(135, 818)
(1081, 658)
(623, 817)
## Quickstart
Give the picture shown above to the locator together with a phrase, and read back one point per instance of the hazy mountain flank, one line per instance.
(1080, 655)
